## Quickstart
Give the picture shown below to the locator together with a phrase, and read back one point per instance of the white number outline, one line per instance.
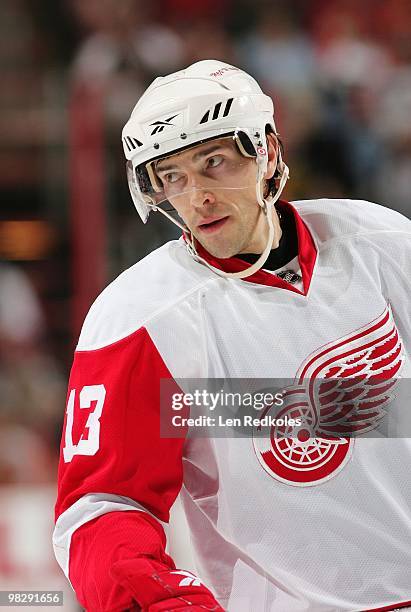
(91, 444)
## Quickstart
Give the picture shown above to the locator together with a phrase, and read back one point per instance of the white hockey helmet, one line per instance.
(209, 99)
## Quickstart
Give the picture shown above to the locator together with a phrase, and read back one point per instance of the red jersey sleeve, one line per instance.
(117, 477)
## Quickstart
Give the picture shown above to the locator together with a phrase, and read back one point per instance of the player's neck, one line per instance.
(258, 241)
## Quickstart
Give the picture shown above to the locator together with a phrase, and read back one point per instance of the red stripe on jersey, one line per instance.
(391, 607)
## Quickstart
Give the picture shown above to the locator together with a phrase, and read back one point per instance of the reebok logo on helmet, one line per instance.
(160, 125)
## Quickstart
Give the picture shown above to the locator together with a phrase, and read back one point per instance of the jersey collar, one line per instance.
(307, 256)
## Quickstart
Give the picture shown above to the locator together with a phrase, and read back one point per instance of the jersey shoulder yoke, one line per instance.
(332, 218)
(151, 286)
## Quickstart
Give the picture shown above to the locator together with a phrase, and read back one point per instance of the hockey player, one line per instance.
(312, 521)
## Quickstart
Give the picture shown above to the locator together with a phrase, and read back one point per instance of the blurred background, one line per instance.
(339, 72)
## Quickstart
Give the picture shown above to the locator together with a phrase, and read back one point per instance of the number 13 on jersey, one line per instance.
(86, 445)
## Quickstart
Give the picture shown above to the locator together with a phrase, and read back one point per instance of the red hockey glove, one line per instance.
(157, 588)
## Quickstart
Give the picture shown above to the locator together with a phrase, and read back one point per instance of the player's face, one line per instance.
(213, 189)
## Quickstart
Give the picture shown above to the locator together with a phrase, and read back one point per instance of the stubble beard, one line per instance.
(224, 247)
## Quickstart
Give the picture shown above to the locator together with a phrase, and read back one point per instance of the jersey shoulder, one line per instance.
(151, 286)
(331, 218)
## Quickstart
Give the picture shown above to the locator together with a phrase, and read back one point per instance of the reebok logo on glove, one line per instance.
(191, 580)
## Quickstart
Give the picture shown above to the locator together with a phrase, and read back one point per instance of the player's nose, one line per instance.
(199, 192)
(201, 196)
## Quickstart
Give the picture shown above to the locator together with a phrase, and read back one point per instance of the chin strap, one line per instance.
(267, 205)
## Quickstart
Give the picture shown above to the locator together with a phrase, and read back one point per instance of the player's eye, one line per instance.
(214, 161)
(171, 177)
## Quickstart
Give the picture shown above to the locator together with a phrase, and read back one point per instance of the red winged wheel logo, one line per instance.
(340, 391)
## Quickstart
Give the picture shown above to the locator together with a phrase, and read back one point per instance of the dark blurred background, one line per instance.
(339, 72)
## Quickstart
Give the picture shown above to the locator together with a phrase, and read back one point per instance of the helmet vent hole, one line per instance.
(228, 107)
(216, 111)
(205, 118)
(132, 143)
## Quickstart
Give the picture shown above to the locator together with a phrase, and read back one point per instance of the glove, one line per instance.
(157, 588)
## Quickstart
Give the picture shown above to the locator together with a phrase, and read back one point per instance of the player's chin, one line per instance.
(220, 248)
(223, 244)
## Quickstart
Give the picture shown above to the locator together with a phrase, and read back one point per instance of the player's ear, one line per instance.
(272, 150)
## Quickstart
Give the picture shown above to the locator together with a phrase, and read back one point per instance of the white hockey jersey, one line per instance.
(274, 528)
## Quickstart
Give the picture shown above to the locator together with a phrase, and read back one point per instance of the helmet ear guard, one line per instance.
(244, 144)
(260, 150)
